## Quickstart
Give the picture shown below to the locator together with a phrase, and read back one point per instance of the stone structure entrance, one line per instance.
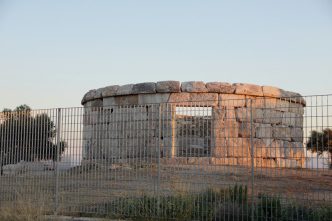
(212, 123)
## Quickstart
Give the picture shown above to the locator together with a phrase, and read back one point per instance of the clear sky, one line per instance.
(52, 52)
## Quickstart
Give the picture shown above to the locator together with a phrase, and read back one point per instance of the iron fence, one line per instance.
(249, 159)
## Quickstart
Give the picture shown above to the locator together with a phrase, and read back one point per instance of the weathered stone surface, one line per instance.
(288, 163)
(297, 134)
(179, 97)
(126, 100)
(293, 97)
(232, 100)
(91, 95)
(269, 91)
(248, 89)
(94, 105)
(144, 88)
(125, 126)
(126, 89)
(199, 160)
(219, 147)
(278, 147)
(277, 104)
(193, 86)
(194, 99)
(109, 101)
(153, 98)
(238, 147)
(168, 86)
(265, 163)
(296, 108)
(220, 87)
(272, 117)
(109, 91)
(282, 133)
(244, 161)
(224, 161)
(246, 129)
(255, 102)
(243, 114)
(264, 131)
(288, 119)
(204, 99)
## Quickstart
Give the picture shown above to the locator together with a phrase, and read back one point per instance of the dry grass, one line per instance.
(22, 211)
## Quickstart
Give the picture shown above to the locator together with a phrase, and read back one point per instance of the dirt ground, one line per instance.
(96, 183)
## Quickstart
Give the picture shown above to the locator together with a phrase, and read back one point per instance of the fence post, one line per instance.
(158, 155)
(252, 162)
(58, 142)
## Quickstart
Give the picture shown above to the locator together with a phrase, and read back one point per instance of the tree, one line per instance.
(27, 137)
(320, 142)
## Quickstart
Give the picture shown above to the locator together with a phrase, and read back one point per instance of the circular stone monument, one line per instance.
(194, 123)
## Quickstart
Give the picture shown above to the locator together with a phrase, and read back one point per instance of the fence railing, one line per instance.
(248, 159)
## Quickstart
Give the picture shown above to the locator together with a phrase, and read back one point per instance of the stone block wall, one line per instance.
(139, 121)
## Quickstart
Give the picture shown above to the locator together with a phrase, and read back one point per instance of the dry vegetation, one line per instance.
(97, 189)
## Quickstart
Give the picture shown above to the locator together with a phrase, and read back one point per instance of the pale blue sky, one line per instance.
(52, 52)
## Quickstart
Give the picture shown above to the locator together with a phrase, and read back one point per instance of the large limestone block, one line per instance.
(255, 102)
(243, 114)
(232, 100)
(238, 147)
(296, 108)
(277, 104)
(125, 89)
(224, 123)
(144, 88)
(265, 163)
(153, 98)
(244, 161)
(298, 150)
(265, 148)
(109, 149)
(91, 117)
(109, 101)
(109, 91)
(289, 119)
(293, 97)
(168, 86)
(288, 163)
(248, 89)
(193, 86)
(269, 91)
(264, 131)
(282, 133)
(223, 161)
(126, 100)
(220, 87)
(204, 99)
(272, 117)
(276, 149)
(179, 97)
(297, 134)
(91, 95)
(259, 115)
(259, 148)
(246, 129)
(199, 161)
(194, 99)
(94, 105)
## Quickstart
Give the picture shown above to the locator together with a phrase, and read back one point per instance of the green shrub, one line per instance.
(268, 208)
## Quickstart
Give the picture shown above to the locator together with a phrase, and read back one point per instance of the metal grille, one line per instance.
(250, 159)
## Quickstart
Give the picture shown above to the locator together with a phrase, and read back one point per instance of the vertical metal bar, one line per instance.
(57, 161)
(158, 157)
(252, 162)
